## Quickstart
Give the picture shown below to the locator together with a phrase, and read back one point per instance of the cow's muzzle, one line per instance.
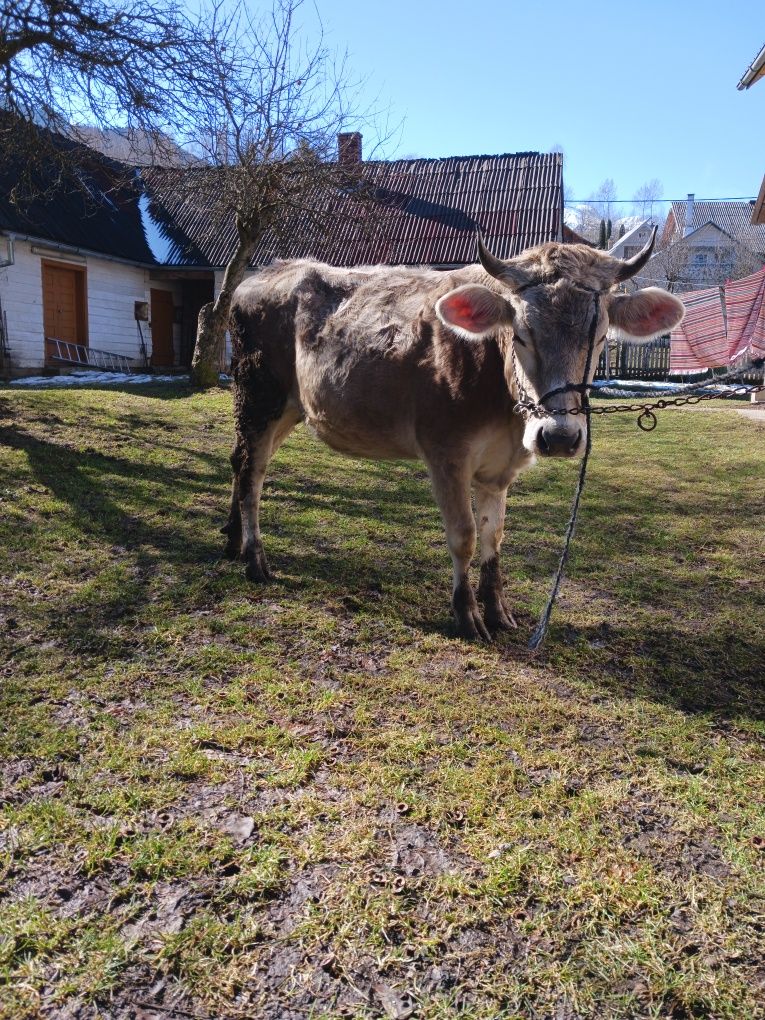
(556, 440)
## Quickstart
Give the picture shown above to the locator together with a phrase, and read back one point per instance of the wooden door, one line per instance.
(162, 353)
(64, 315)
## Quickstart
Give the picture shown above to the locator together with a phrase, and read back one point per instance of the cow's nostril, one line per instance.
(558, 442)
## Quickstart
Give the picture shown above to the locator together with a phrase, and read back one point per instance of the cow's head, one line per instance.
(545, 308)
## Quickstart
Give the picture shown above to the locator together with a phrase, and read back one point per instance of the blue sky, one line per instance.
(629, 91)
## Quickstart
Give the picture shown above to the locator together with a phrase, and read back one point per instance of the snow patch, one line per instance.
(161, 247)
(639, 388)
(97, 378)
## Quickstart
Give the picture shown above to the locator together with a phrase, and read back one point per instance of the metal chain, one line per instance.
(647, 421)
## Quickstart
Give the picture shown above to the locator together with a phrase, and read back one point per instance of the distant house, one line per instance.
(703, 244)
(633, 241)
(124, 262)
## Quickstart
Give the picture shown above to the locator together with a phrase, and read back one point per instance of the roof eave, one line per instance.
(758, 213)
(754, 72)
(70, 249)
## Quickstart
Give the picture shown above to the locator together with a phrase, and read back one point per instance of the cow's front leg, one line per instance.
(451, 487)
(490, 507)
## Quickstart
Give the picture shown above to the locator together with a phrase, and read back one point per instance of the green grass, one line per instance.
(310, 799)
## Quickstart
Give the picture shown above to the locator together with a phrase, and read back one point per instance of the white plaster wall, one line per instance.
(112, 290)
(21, 298)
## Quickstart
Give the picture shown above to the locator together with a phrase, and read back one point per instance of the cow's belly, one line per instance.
(355, 441)
(360, 412)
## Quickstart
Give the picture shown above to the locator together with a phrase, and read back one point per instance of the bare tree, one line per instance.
(647, 196)
(120, 64)
(680, 266)
(268, 119)
(603, 201)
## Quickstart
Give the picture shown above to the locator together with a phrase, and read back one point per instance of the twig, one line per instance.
(170, 1010)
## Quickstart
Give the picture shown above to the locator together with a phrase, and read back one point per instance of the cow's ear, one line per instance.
(473, 311)
(645, 314)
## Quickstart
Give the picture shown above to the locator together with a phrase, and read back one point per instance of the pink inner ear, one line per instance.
(655, 317)
(474, 311)
(646, 314)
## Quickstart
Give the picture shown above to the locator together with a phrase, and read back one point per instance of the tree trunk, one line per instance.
(213, 318)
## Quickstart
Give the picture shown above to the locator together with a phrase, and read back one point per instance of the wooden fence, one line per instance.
(635, 361)
(649, 361)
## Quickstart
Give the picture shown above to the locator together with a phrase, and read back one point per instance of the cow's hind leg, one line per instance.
(451, 487)
(250, 489)
(233, 526)
(490, 504)
(263, 422)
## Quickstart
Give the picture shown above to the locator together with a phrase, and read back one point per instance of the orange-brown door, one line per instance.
(162, 354)
(63, 306)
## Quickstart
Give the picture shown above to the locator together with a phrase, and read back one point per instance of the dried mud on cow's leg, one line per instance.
(497, 615)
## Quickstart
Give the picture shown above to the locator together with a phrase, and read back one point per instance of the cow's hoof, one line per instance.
(257, 569)
(496, 613)
(471, 627)
(497, 616)
(469, 622)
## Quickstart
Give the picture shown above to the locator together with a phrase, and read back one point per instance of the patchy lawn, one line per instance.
(310, 799)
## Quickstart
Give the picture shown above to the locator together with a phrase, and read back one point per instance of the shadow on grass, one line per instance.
(98, 487)
(155, 391)
(719, 671)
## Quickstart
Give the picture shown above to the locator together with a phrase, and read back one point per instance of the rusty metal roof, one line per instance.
(424, 212)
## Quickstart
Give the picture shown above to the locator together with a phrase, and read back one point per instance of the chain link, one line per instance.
(647, 420)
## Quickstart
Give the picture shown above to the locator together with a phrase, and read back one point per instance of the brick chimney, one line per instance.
(688, 226)
(349, 148)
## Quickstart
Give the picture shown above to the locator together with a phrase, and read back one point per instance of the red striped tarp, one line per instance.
(681, 356)
(745, 305)
(700, 340)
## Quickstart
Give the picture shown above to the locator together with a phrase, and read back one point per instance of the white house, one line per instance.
(633, 241)
(80, 274)
(703, 244)
(121, 261)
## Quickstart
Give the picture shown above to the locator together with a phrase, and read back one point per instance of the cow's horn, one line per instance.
(628, 267)
(498, 268)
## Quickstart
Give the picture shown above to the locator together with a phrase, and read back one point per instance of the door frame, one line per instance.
(171, 296)
(80, 299)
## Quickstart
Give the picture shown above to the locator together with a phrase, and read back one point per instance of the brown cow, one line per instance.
(414, 363)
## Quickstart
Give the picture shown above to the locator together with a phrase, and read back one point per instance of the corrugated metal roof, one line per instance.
(732, 217)
(424, 212)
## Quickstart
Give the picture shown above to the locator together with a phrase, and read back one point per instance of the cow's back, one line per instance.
(362, 354)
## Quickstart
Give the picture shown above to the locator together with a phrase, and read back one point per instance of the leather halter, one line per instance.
(525, 403)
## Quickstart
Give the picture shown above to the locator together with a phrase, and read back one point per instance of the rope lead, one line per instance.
(540, 631)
